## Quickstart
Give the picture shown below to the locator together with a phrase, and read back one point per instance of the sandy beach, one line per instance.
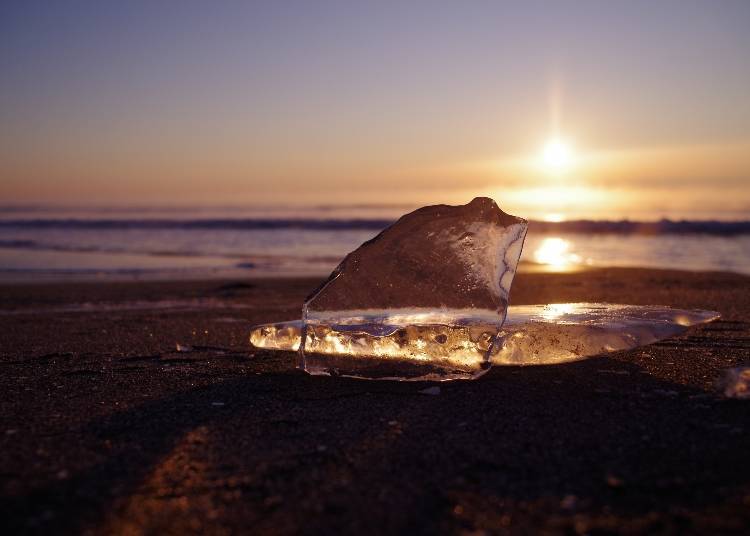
(106, 427)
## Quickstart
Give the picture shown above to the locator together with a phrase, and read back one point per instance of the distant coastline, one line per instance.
(661, 227)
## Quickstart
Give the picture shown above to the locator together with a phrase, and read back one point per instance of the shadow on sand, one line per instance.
(291, 453)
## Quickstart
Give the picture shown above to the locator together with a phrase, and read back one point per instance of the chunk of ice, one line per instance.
(427, 299)
(434, 266)
(437, 345)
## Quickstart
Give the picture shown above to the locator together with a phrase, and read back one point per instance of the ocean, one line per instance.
(41, 243)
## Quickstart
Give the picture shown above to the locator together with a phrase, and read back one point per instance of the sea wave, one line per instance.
(665, 226)
(200, 224)
(661, 227)
(256, 257)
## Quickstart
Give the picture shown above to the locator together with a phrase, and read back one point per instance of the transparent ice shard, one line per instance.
(437, 266)
(427, 299)
(431, 345)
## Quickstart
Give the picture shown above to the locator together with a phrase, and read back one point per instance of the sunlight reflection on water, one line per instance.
(555, 252)
(28, 252)
(572, 252)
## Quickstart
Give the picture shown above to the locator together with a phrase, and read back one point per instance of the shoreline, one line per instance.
(10, 278)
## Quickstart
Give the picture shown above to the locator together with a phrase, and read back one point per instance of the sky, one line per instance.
(555, 109)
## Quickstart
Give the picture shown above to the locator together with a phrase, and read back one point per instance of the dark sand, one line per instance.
(105, 428)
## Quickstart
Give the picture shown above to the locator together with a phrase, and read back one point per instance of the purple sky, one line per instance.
(285, 102)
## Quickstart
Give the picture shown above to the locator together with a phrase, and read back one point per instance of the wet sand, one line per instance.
(106, 428)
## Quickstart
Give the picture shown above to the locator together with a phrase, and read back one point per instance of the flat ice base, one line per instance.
(454, 344)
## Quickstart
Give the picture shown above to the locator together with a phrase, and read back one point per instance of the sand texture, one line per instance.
(105, 427)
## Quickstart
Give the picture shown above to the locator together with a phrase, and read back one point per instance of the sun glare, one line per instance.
(557, 155)
(556, 252)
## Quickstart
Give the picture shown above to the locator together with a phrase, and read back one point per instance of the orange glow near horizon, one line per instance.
(559, 180)
(555, 182)
(640, 183)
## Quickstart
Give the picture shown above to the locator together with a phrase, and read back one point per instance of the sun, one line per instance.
(556, 155)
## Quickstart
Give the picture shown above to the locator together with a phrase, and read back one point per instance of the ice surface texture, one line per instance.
(435, 347)
(437, 257)
(438, 262)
